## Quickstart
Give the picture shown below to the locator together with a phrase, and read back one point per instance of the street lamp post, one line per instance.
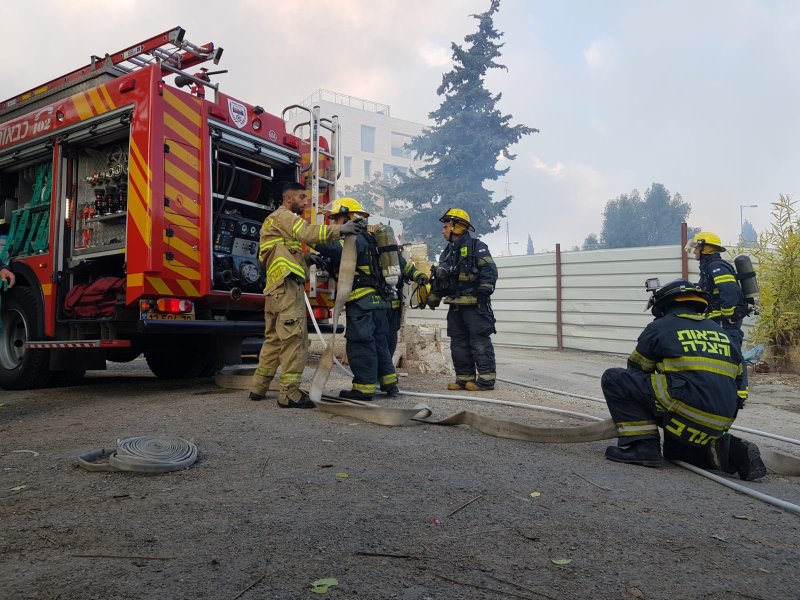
(741, 219)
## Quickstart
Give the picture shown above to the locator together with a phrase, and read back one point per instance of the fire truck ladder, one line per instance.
(320, 179)
(169, 49)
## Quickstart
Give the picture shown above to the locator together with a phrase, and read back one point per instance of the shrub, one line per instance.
(778, 272)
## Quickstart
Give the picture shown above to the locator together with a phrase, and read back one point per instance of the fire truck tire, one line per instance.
(185, 360)
(21, 368)
(213, 364)
(67, 378)
(123, 355)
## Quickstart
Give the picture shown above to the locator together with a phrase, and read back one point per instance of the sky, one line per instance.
(701, 96)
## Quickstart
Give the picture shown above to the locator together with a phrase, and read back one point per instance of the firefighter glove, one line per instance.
(352, 227)
(483, 298)
(316, 260)
(422, 279)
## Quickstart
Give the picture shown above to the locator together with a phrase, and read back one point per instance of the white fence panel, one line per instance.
(602, 293)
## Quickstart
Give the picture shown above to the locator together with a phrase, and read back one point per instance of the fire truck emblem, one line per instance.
(273, 136)
(238, 113)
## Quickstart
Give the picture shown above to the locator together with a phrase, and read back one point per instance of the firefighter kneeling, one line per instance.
(683, 376)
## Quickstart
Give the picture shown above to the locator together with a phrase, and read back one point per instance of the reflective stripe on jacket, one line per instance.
(718, 279)
(283, 234)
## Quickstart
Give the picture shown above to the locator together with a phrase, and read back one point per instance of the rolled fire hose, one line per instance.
(142, 454)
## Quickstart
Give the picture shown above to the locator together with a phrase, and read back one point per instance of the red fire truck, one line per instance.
(136, 179)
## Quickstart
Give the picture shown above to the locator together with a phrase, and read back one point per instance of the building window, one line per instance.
(393, 170)
(348, 163)
(367, 138)
(399, 141)
(367, 170)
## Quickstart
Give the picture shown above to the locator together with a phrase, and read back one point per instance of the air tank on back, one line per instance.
(388, 253)
(747, 277)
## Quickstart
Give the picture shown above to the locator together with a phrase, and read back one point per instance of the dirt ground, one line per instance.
(281, 498)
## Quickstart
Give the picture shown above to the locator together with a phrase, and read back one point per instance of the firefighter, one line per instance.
(6, 275)
(366, 309)
(465, 278)
(285, 336)
(727, 305)
(682, 377)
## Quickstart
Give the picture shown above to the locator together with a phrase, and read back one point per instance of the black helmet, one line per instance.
(679, 290)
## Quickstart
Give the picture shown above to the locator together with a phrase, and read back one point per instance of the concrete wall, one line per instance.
(603, 297)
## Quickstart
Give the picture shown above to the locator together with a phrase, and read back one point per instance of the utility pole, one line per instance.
(741, 220)
(508, 235)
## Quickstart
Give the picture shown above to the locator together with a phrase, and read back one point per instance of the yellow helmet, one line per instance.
(347, 206)
(708, 242)
(457, 215)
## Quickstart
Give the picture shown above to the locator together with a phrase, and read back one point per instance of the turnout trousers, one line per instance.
(285, 341)
(632, 404)
(394, 316)
(367, 346)
(471, 349)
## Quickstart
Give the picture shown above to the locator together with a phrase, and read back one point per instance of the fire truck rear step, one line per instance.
(77, 344)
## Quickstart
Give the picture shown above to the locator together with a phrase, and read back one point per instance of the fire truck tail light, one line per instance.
(174, 305)
(161, 88)
(321, 313)
(127, 86)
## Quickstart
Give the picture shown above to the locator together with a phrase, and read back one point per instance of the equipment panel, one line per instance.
(236, 262)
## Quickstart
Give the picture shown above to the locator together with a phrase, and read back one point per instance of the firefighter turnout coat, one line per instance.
(718, 278)
(683, 375)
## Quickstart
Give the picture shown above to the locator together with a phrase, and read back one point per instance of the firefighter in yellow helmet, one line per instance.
(727, 305)
(465, 278)
(285, 336)
(366, 309)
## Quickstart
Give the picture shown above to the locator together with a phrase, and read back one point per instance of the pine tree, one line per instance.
(530, 244)
(462, 148)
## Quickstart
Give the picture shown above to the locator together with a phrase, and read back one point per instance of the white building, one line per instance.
(372, 141)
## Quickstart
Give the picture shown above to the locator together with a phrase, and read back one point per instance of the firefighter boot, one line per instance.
(735, 455)
(641, 452)
(479, 386)
(259, 387)
(355, 395)
(299, 400)
(458, 385)
(391, 390)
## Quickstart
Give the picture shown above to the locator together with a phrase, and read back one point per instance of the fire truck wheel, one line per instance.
(180, 361)
(21, 368)
(67, 378)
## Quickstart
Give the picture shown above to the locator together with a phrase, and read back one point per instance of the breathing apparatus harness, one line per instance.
(742, 268)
